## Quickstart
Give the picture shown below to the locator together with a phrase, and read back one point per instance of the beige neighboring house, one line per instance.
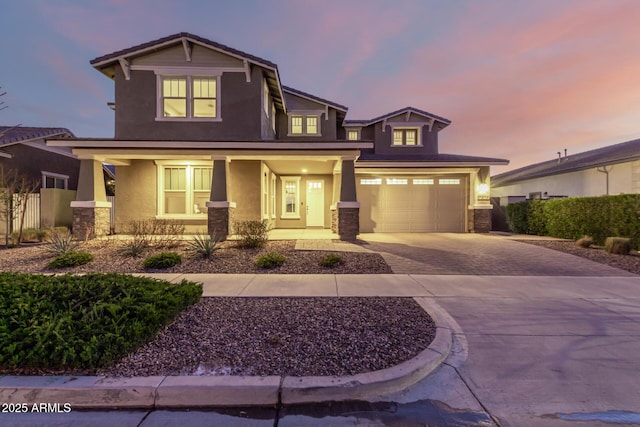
(604, 171)
(207, 135)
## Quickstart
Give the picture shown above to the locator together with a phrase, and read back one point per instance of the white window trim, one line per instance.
(54, 175)
(304, 114)
(408, 126)
(189, 75)
(264, 192)
(284, 214)
(358, 131)
(272, 196)
(160, 166)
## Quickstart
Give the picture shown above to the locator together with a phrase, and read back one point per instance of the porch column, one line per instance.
(91, 210)
(219, 208)
(348, 223)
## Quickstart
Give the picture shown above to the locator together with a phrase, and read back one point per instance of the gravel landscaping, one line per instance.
(107, 258)
(629, 262)
(284, 336)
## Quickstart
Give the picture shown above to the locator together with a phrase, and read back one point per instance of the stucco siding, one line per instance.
(245, 189)
(584, 183)
(136, 109)
(32, 162)
(136, 193)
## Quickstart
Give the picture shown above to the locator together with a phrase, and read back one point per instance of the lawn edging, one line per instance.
(96, 392)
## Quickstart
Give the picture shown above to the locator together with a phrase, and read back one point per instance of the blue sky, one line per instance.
(520, 80)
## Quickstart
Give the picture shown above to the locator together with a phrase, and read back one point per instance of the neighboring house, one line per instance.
(207, 134)
(609, 170)
(24, 149)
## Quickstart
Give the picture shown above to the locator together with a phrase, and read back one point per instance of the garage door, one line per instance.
(398, 204)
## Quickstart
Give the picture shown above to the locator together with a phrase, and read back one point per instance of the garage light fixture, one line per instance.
(483, 189)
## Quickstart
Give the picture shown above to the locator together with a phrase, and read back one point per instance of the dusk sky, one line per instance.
(519, 80)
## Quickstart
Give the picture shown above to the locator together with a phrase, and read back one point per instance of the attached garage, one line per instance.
(423, 203)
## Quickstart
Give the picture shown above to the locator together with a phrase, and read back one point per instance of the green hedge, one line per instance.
(572, 218)
(89, 321)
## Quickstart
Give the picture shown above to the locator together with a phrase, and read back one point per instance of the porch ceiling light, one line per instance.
(304, 171)
(483, 189)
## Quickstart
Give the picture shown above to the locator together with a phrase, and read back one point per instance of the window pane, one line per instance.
(312, 125)
(371, 181)
(204, 88)
(396, 181)
(296, 124)
(199, 200)
(427, 181)
(204, 108)
(449, 181)
(410, 137)
(290, 188)
(174, 203)
(175, 107)
(174, 87)
(397, 137)
(174, 179)
(202, 178)
(49, 182)
(60, 183)
(352, 135)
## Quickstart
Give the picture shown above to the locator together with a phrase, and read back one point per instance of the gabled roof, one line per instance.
(16, 135)
(314, 98)
(445, 122)
(106, 62)
(612, 154)
(164, 41)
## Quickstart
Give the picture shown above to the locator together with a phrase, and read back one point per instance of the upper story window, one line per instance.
(406, 136)
(353, 134)
(188, 98)
(304, 125)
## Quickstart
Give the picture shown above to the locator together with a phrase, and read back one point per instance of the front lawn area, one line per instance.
(77, 323)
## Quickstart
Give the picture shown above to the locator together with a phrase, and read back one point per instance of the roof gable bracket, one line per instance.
(247, 71)
(126, 68)
(187, 49)
(384, 125)
(407, 115)
(326, 112)
(431, 122)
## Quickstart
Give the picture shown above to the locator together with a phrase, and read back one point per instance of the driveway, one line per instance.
(477, 254)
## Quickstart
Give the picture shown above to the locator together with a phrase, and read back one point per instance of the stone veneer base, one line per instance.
(348, 223)
(89, 223)
(219, 221)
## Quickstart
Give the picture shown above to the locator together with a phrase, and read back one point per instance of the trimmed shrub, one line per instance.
(270, 260)
(162, 260)
(252, 234)
(31, 235)
(160, 233)
(83, 322)
(204, 244)
(617, 245)
(574, 217)
(585, 242)
(331, 260)
(135, 246)
(70, 259)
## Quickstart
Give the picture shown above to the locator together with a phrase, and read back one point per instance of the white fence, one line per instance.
(32, 213)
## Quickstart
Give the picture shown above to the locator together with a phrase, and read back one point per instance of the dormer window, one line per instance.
(353, 134)
(406, 137)
(188, 97)
(304, 125)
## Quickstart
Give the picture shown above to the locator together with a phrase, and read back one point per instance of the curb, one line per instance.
(93, 392)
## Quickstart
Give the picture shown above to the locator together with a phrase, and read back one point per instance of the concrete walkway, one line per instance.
(527, 350)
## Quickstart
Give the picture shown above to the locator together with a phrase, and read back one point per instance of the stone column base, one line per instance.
(334, 220)
(89, 223)
(481, 220)
(219, 221)
(348, 226)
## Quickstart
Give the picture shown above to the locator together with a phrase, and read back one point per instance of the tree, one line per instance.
(15, 191)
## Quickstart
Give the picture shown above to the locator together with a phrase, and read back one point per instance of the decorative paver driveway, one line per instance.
(477, 254)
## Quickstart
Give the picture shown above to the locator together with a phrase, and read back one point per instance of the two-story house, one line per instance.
(207, 134)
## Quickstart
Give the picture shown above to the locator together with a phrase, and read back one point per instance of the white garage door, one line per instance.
(398, 204)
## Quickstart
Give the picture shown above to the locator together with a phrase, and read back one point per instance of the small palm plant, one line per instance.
(204, 245)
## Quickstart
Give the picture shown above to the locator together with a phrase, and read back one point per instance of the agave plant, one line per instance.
(204, 244)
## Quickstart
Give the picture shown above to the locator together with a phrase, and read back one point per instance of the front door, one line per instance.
(315, 203)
